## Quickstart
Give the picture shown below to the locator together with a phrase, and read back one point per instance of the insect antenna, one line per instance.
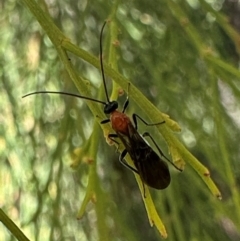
(101, 62)
(64, 93)
(80, 96)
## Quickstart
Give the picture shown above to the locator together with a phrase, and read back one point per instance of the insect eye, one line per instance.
(110, 107)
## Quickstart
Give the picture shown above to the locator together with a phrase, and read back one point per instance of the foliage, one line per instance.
(55, 163)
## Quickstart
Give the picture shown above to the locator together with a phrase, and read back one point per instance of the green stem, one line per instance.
(224, 22)
(62, 44)
(199, 43)
(46, 22)
(224, 153)
(12, 227)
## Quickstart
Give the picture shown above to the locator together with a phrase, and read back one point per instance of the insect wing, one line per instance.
(152, 169)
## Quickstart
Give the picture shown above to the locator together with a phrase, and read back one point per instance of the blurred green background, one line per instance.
(182, 55)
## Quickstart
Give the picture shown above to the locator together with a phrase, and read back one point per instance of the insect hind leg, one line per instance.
(123, 154)
(124, 163)
(146, 134)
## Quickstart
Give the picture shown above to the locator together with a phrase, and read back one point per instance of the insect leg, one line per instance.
(135, 116)
(111, 137)
(126, 101)
(141, 168)
(121, 159)
(105, 121)
(160, 151)
(122, 155)
(125, 104)
(124, 163)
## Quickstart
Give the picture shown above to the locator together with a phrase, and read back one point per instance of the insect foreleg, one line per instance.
(125, 105)
(126, 101)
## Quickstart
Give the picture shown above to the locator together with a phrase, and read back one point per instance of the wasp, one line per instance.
(151, 168)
